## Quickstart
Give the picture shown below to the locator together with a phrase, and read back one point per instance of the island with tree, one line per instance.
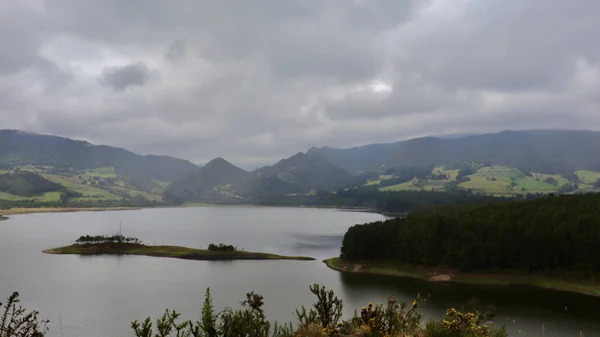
(121, 245)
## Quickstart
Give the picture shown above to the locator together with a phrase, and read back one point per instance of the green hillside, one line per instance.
(222, 182)
(66, 155)
(26, 184)
(310, 172)
(494, 180)
(45, 184)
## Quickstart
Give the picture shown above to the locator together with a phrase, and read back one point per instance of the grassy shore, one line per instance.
(3, 218)
(556, 282)
(166, 251)
(13, 211)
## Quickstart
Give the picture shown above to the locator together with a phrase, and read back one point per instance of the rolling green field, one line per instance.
(496, 180)
(8, 196)
(95, 185)
(588, 177)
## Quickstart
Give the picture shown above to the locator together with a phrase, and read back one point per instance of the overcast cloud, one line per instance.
(255, 81)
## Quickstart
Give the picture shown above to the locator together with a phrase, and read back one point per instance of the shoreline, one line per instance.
(17, 211)
(430, 274)
(177, 252)
(33, 210)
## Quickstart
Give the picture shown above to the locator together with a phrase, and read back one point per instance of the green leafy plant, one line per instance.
(327, 310)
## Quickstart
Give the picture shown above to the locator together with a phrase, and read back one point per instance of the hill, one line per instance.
(221, 181)
(217, 180)
(310, 172)
(27, 184)
(356, 159)
(544, 151)
(19, 148)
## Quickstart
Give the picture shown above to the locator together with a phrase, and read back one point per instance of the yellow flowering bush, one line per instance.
(462, 324)
(394, 319)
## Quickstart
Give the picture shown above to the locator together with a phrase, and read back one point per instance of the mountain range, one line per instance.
(24, 148)
(549, 152)
(545, 151)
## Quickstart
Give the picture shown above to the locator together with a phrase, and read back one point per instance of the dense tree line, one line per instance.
(387, 202)
(222, 247)
(550, 233)
(116, 238)
(138, 201)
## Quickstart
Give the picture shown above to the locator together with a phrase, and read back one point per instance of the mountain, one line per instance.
(216, 174)
(22, 148)
(221, 181)
(544, 151)
(218, 180)
(356, 159)
(309, 172)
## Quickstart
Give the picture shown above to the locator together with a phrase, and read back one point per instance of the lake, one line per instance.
(98, 296)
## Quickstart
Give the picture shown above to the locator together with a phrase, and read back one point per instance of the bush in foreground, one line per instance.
(323, 319)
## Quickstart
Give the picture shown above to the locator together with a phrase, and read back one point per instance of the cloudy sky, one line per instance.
(255, 81)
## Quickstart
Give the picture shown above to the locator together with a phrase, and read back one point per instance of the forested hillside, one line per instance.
(222, 182)
(544, 151)
(550, 233)
(551, 151)
(356, 159)
(217, 180)
(26, 184)
(310, 172)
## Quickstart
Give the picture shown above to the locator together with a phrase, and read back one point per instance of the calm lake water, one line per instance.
(99, 296)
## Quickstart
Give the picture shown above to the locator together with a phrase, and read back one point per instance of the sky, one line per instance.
(257, 81)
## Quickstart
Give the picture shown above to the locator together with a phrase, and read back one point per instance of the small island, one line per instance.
(120, 245)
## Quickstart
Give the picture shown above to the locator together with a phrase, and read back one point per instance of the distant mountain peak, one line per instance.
(220, 163)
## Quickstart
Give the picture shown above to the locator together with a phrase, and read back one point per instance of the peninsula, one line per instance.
(432, 274)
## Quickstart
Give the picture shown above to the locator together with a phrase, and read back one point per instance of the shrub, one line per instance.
(327, 310)
(17, 322)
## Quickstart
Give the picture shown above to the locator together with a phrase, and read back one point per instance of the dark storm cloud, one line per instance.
(121, 77)
(253, 81)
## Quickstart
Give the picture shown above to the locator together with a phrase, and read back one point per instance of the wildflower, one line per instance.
(414, 304)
